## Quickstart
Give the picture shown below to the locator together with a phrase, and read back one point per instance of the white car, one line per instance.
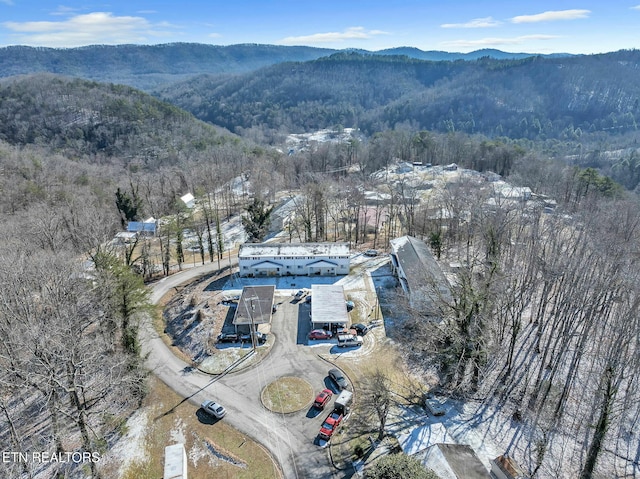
(213, 408)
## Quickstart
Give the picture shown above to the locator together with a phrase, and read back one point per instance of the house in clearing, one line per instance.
(293, 259)
(188, 200)
(423, 282)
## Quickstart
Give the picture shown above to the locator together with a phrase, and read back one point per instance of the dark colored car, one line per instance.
(371, 252)
(350, 305)
(360, 328)
(260, 337)
(320, 334)
(228, 338)
(339, 378)
(323, 398)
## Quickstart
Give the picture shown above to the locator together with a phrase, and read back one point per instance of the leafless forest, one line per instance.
(543, 322)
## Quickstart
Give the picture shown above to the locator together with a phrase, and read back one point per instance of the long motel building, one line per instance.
(293, 259)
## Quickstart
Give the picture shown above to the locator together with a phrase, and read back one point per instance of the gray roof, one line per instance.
(422, 271)
(455, 461)
(254, 305)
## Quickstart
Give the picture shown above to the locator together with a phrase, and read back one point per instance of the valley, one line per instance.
(490, 211)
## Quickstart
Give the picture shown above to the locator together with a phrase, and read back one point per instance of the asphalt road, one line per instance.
(289, 437)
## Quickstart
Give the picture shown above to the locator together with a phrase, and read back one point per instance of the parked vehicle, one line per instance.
(349, 340)
(330, 425)
(350, 305)
(339, 378)
(371, 252)
(213, 408)
(320, 334)
(360, 328)
(346, 331)
(434, 407)
(260, 337)
(308, 299)
(323, 398)
(343, 401)
(299, 294)
(228, 338)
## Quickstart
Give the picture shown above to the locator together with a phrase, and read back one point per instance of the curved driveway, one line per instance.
(289, 437)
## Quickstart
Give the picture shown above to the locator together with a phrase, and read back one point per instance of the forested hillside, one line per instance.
(542, 324)
(148, 66)
(108, 122)
(534, 98)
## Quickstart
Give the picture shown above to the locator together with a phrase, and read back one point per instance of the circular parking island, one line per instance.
(287, 394)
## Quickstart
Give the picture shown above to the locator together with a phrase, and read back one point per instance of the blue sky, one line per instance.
(544, 26)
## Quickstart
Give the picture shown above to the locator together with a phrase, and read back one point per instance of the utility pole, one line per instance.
(252, 329)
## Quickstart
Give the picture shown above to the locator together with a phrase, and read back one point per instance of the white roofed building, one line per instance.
(328, 305)
(293, 259)
(188, 200)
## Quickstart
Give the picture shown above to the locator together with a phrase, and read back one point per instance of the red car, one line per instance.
(330, 425)
(319, 334)
(323, 398)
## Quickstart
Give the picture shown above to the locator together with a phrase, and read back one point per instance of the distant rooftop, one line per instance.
(293, 249)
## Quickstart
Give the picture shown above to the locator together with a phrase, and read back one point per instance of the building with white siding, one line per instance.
(293, 259)
(420, 276)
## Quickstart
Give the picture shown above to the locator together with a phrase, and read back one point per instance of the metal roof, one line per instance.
(328, 304)
(293, 249)
(254, 305)
(422, 271)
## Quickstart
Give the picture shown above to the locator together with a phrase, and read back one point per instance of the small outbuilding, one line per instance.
(175, 462)
(454, 461)
(504, 467)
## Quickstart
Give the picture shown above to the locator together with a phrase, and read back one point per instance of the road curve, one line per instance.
(288, 437)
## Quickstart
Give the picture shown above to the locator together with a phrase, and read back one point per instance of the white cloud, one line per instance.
(552, 16)
(637, 7)
(495, 42)
(7, 2)
(352, 33)
(486, 22)
(87, 29)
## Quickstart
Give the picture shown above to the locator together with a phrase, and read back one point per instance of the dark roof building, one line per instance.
(254, 306)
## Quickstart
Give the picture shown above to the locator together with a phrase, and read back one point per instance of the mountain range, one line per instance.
(150, 66)
(298, 89)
